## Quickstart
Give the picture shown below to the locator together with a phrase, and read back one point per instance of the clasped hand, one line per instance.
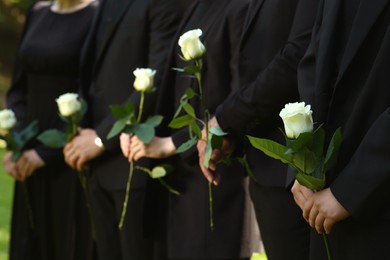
(25, 166)
(134, 149)
(320, 209)
(82, 149)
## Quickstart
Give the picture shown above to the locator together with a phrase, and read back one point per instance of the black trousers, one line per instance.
(130, 242)
(285, 233)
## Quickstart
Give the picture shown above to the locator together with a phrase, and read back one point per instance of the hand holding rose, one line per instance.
(134, 149)
(321, 209)
(227, 148)
(82, 149)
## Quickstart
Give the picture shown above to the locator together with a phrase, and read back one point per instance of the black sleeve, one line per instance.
(259, 103)
(363, 186)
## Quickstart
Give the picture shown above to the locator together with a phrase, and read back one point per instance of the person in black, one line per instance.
(275, 38)
(127, 34)
(345, 77)
(47, 66)
(189, 232)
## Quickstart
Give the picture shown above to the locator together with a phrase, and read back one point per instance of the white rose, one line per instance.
(7, 120)
(144, 79)
(297, 119)
(191, 46)
(68, 104)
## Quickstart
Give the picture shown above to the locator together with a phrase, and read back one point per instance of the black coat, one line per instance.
(189, 234)
(138, 36)
(274, 40)
(355, 97)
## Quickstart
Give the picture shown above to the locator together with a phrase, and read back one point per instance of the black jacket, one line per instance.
(137, 34)
(275, 38)
(355, 97)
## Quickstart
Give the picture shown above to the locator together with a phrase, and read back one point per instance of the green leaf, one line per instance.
(122, 111)
(191, 70)
(190, 93)
(305, 160)
(53, 138)
(179, 108)
(181, 121)
(207, 155)
(144, 132)
(196, 129)
(117, 127)
(318, 142)
(216, 130)
(28, 133)
(187, 145)
(310, 181)
(271, 148)
(158, 172)
(303, 140)
(189, 109)
(154, 120)
(333, 150)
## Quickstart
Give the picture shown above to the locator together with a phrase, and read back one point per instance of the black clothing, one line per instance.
(275, 38)
(47, 67)
(127, 34)
(358, 101)
(189, 233)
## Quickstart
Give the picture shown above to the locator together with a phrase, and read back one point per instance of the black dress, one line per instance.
(47, 66)
(189, 233)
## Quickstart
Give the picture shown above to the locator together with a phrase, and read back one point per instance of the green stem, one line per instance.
(124, 209)
(141, 107)
(211, 206)
(84, 185)
(206, 117)
(169, 188)
(28, 205)
(327, 246)
(163, 183)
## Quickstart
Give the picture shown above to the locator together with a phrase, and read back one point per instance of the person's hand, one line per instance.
(322, 211)
(125, 140)
(159, 147)
(28, 163)
(10, 167)
(301, 194)
(216, 155)
(82, 149)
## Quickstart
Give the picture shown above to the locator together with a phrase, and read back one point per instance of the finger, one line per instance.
(140, 154)
(208, 174)
(80, 163)
(313, 216)
(319, 223)
(133, 152)
(125, 144)
(299, 198)
(72, 161)
(328, 225)
(307, 206)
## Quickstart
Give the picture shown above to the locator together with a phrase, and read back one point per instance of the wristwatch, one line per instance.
(98, 142)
